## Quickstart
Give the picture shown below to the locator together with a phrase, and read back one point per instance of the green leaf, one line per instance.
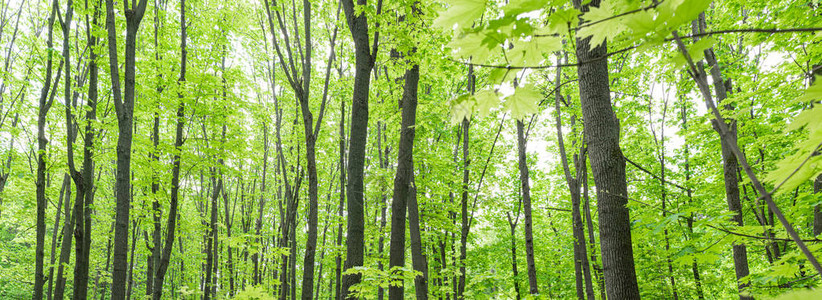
(696, 51)
(800, 295)
(523, 102)
(461, 108)
(498, 75)
(516, 7)
(560, 20)
(485, 100)
(461, 13)
(686, 11)
(470, 46)
(530, 53)
(814, 92)
(601, 30)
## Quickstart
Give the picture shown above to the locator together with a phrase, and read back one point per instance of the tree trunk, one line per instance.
(337, 293)
(690, 222)
(817, 212)
(730, 165)
(418, 258)
(65, 248)
(45, 105)
(364, 63)
(81, 268)
(817, 184)
(155, 248)
(403, 180)
(124, 107)
(526, 201)
(608, 166)
(63, 189)
(211, 245)
(592, 245)
(512, 223)
(171, 226)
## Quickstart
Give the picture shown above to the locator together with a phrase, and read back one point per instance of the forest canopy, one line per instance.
(447, 149)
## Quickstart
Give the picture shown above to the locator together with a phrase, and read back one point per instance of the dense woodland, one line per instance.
(449, 149)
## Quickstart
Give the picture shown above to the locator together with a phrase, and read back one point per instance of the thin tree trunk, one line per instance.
(211, 245)
(592, 245)
(45, 105)
(581, 268)
(403, 181)
(690, 222)
(364, 63)
(81, 268)
(65, 248)
(124, 107)
(230, 259)
(54, 234)
(817, 184)
(526, 201)
(512, 223)
(817, 212)
(337, 293)
(156, 212)
(730, 165)
(171, 226)
(132, 262)
(608, 165)
(418, 258)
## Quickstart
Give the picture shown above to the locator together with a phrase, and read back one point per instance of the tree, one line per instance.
(124, 107)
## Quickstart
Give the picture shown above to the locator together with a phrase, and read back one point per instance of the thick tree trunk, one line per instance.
(608, 166)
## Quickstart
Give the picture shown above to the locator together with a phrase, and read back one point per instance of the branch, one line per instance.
(655, 176)
(748, 30)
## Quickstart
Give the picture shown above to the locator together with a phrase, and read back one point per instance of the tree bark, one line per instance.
(124, 107)
(526, 201)
(171, 225)
(45, 105)
(730, 165)
(689, 193)
(54, 235)
(608, 166)
(337, 293)
(82, 259)
(364, 63)
(403, 180)
(512, 223)
(65, 248)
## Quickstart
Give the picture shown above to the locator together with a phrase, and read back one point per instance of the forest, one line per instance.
(371, 149)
